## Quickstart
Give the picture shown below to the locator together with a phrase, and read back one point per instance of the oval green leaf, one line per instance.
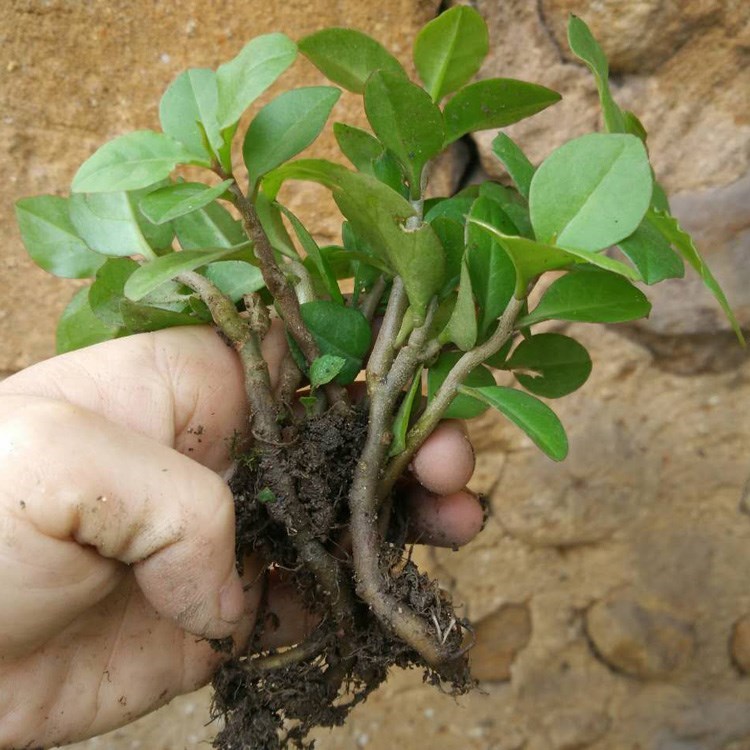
(550, 364)
(167, 203)
(450, 49)
(652, 254)
(589, 295)
(79, 327)
(325, 368)
(536, 419)
(51, 239)
(210, 226)
(244, 78)
(235, 278)
(462, 407)
(591, 192)
(131, 162)
(286, 126)
(348, 57)
(405, 120)
(516, 163)
(357, 145)
(494, 103)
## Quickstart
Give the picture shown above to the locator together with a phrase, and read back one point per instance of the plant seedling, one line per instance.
(448, 276)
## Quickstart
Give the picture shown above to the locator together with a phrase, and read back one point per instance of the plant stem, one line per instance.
(369, 304)
(383, 352)
(444, 395)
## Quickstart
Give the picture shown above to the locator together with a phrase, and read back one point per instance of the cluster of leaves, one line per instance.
(590, 210)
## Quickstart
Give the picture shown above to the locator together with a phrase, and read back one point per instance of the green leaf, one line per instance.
(531, 259)
(340, 331)
(235, 278)
(405, 120)
(550, 364)
(313, 252)
(153, 274)
(144, 318)
(456, 208)
(377, 215)
(325, 368)
(285, 126)
(516, 164)
(359, 146)
(590, 296)
(321, 171)
(449, 50)
(131, 162)
(451, 235)
(167, 203)
(462, 407)
(493, 277)
(269, 215)
(652, 255)
(671, 230)
(403, 415)
(106, 293)
(494, 103)
(79, 327)
(536, 419)
(462, 326)
(51, 239)
(244, 78)
(591, 192)
(112, 224)
(513, 205)
(585, 47)
(348, 57)
(192, 98)
(210, 226)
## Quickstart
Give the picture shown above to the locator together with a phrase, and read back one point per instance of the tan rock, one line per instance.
(637, 639)
(499, 638)
(575, 729)
(740, 644)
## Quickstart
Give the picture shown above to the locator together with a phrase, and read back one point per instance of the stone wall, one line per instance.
(610, 592)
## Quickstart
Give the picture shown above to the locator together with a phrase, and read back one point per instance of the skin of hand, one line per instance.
(117, 530)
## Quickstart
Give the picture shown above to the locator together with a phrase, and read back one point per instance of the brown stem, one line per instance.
(369, 304)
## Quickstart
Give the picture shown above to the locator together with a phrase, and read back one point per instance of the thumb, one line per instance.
(133, 500)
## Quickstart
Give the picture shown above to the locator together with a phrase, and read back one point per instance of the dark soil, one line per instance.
(266, 708)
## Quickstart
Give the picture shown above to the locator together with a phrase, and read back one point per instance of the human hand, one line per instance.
(117, 530)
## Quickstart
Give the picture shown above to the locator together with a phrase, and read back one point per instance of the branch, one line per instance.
(383, 352)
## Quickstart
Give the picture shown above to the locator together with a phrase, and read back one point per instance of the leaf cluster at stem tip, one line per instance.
(161, 251)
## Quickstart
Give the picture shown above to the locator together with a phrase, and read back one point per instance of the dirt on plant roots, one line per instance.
(271, 700)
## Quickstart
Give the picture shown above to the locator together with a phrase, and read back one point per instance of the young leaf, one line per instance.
(106, 292)
(585, 47)
(359, 146)
(652, 255)
(515, 162)
(533, 258)
(550, 364)
(494, 103)
(153, 274)
(462, 407)
(536, 419)
(348, 57)
(403, 415)
(243, 79)
(377, 215)
(671, 230)
(235, 278)
(405, 120)
(462, 325)
(79, 327)
(131, 162)
(285, 126)
(210, 226)
(192, 98)
(449, 50)
(325, 368)
(167, 203)
(51, 239)
(341, 331)
(590, 296)
(591, 192)
(111, 224)
(313, 252)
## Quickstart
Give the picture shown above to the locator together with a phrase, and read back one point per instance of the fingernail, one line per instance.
(232, 600)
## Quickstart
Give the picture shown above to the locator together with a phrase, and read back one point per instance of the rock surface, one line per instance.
(500, 636)
(650, 500)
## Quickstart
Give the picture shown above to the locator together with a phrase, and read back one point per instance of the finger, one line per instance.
(130, 498)
(443, 521)
(445, 462)
(183, 387)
